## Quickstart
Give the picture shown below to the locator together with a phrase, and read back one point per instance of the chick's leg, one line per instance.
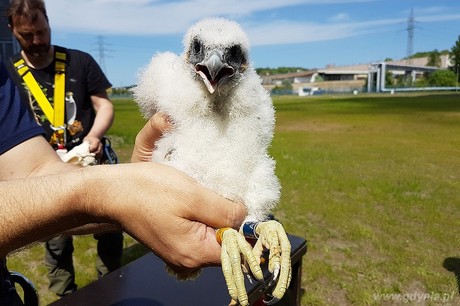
(272, 236)
(234, 247)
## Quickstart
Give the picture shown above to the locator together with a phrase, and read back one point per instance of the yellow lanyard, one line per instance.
(55, 115)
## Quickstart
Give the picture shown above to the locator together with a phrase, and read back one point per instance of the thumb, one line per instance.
(217, 212)
(147, 136)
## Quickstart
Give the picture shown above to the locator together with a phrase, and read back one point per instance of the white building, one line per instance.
(352, 78)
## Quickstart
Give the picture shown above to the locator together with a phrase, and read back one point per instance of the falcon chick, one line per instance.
(223, 123)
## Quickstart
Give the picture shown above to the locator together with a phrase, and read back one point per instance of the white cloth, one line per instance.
(79, 155)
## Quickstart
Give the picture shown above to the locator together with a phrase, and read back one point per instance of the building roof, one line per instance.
(421, 61)
(298, 74)
(348, 68)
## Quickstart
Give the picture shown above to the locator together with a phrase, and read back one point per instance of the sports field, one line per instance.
(371, 181)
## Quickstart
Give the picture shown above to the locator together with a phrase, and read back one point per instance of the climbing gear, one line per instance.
(108, 154)
(248, 230)
(54, 113)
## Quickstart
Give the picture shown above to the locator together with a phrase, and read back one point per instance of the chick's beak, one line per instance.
(213, 70)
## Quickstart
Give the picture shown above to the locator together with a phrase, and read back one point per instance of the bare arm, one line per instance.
(154, 203)
(33, 157)
(23, 161)
(159, 206)
(37, 207)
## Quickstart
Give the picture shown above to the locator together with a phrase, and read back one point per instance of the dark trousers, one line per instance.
(59, 261)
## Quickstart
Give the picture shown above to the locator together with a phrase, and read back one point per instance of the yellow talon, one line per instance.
(220, 233)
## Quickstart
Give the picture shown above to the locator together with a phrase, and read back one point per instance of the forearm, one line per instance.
(26, 205)
(146, 200)
(103, 120)
(33, 157)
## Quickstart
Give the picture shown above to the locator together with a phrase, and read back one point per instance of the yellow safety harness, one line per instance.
(54, 114)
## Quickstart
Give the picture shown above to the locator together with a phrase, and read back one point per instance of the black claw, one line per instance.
(262, 281)
(252, 278)
(273, 301)
(271, 280)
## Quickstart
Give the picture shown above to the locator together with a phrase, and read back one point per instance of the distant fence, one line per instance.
(121, 96)
(327, 87)
(352, 87)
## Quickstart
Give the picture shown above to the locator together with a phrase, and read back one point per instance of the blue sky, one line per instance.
(294, 33)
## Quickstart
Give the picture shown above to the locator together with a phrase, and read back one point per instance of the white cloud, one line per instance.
(428, 10)
(161, 17)
(437, 18)
(141, 17)
(287, 32)
(340, 17)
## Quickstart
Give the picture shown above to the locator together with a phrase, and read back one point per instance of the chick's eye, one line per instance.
(196, 46)
(235, 51)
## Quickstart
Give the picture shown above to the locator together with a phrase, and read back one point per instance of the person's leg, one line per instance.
(109, 252)
(59, 261)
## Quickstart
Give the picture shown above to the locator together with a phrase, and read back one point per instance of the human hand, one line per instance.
(167, 211)
(146, 138)
(95, 145)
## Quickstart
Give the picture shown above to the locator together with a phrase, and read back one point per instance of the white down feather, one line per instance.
(226, 150)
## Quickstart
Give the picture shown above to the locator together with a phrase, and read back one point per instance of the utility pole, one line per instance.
(410, 36)
(101, 52)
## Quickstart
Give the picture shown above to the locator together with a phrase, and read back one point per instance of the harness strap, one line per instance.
(59, 89)
(26, 75)
(55, 115)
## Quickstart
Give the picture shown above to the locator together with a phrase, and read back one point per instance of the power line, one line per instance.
(410, 36)
(102, 50)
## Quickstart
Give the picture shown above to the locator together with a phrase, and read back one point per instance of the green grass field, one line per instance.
(373, 184)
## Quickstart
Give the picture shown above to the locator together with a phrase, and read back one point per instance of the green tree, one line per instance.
(434, 59)
(454, 56)
(442, 78)
(389, 79)
(422, 82)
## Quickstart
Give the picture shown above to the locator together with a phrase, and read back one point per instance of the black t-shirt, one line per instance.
(83, 78)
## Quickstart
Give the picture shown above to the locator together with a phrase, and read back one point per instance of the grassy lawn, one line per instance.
(373, 184)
